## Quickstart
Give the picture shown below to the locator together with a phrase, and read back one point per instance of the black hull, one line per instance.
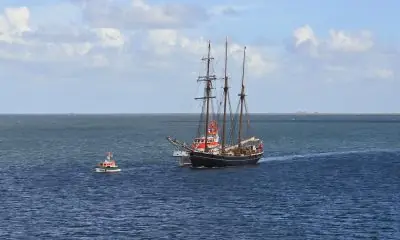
(208, 160)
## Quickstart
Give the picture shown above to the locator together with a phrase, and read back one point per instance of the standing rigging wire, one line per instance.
(220, 105)
(231, 118)
(200, 125)
(248, 128)
(218, 102)
(213, 108)
(234, 124)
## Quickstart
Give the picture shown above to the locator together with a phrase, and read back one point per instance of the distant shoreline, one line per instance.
(171, 114)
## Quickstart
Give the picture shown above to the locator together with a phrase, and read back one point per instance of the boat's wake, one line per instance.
(324, 154)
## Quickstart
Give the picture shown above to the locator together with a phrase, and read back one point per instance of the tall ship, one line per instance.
(237, 149)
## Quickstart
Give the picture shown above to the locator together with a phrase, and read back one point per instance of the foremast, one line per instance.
(208, 78)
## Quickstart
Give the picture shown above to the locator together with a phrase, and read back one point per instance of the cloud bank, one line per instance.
(152, 47)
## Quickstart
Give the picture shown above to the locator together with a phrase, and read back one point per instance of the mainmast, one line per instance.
(208, 78)
(225, 96)
(241, 95)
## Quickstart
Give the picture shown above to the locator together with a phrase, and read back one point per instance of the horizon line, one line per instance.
(188, 113)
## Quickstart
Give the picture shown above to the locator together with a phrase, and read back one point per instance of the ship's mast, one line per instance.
(208, 78)
(242, 96)
(208, 93)
(225, 96)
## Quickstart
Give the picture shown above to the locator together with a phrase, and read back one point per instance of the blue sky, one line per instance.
(138, 56)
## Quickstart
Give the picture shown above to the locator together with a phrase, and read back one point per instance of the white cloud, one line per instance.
(341, 41)
(305, 41)
(23, 42)
(258, 64)
(383, 73)
(139, 14)
(158, 46)
(158, 27)
(227, 10)
(343, 56)
(162, 44)
(304, 37)
(110, 37)
(13, 23)
(18, 19)
(170, 42)
(164, 40)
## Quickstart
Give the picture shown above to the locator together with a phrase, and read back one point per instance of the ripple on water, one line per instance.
(339, 183)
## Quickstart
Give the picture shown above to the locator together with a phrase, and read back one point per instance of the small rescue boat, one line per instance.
(108, 165)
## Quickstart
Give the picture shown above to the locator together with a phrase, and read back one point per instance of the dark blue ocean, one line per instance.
(323, 177)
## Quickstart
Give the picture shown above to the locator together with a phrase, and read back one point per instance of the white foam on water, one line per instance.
(323, 154)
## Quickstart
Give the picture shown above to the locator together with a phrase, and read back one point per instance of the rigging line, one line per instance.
(231, 119)
(237, 116)
(212, 105)
(216, 62)
(248, 129)
(197, 92)
(202, 115)
(220, 105)
(234, 123)
(199, 128)
(197, 106)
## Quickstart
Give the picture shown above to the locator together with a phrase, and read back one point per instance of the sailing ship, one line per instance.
(246, 151)
(108, 165)
(241, 151)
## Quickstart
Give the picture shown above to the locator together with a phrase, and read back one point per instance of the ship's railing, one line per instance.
(244, 143)
(183, 146)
